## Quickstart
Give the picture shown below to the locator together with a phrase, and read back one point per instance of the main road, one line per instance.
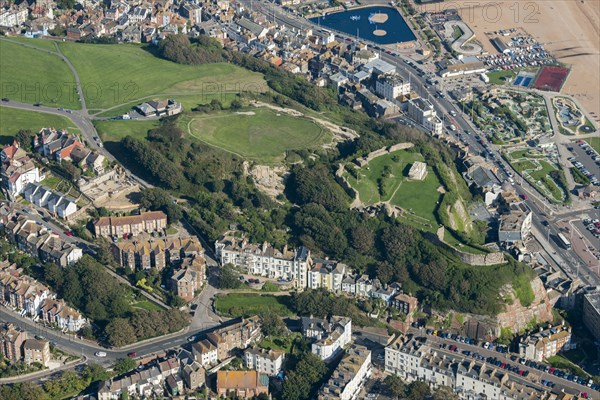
(203, 321)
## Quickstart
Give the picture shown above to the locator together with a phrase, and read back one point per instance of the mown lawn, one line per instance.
(546, 169)
(501, 77)
(119, 74)
(12, 120)
(114, 131)
(521, 166)
(262, 134)
(34, 76)
(146, 305)
(248, 304)
(420, 197)
(44, 44)
(391, 168)
(595, 143)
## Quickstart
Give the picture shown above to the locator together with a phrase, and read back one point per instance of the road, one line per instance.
(535, 375)
(75, 346)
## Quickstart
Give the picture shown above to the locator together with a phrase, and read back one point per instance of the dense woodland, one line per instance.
(220, 194)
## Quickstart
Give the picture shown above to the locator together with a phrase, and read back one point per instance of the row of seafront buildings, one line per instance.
(415, 360)
(297, 266)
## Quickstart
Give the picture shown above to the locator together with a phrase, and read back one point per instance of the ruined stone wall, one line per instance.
(380, 152)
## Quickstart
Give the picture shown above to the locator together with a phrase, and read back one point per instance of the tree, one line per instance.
(120, 332)
(236, 104)
(159, 199)
(124, 365)
(362, 239)
(228, 279)
(272, 325)
(395, 385)
(25, 139)
(417, 390)
(315, 185)
(299, 383)
(444, 393)
(95, 372)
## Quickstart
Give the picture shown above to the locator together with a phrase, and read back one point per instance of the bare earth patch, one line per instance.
(379, 18)
(269, 180)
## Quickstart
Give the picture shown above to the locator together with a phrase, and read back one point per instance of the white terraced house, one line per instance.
(265, 260)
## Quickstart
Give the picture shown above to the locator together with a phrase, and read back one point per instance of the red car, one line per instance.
(132, 354)
(524, 197)
(68, 233)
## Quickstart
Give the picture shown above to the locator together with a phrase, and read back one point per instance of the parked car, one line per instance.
(132, 354)
(68, 233)
(100, 354)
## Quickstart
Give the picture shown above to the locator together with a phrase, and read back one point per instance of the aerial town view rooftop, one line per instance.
(299, 200)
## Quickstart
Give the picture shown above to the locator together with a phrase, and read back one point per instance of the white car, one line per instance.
(100, 354)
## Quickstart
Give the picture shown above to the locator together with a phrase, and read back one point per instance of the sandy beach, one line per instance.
(570, 30)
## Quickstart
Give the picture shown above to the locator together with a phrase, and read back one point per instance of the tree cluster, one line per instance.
(144, 324)
(229, 278)
(179, 49)
(321, 303)
(159, 199)
(303, 377)
(89, 288)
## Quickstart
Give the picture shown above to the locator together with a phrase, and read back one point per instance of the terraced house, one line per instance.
(34, 300)
(36, 240)
(134, 225)
(148, 252)
(265, 260)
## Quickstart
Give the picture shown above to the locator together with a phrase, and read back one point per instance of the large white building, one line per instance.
(268, 362)
(390, 87)
(330, 335)
(423, 112)
(14, 16)
(349, 376)
(265, 260)
(327, 274)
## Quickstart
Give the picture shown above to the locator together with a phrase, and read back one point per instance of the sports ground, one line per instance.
(551, 78)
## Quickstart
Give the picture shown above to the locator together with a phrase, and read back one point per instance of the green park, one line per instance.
(258, 134)
(13, 120)
(385, 179)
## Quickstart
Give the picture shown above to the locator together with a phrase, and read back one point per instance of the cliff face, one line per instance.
(516, 316)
